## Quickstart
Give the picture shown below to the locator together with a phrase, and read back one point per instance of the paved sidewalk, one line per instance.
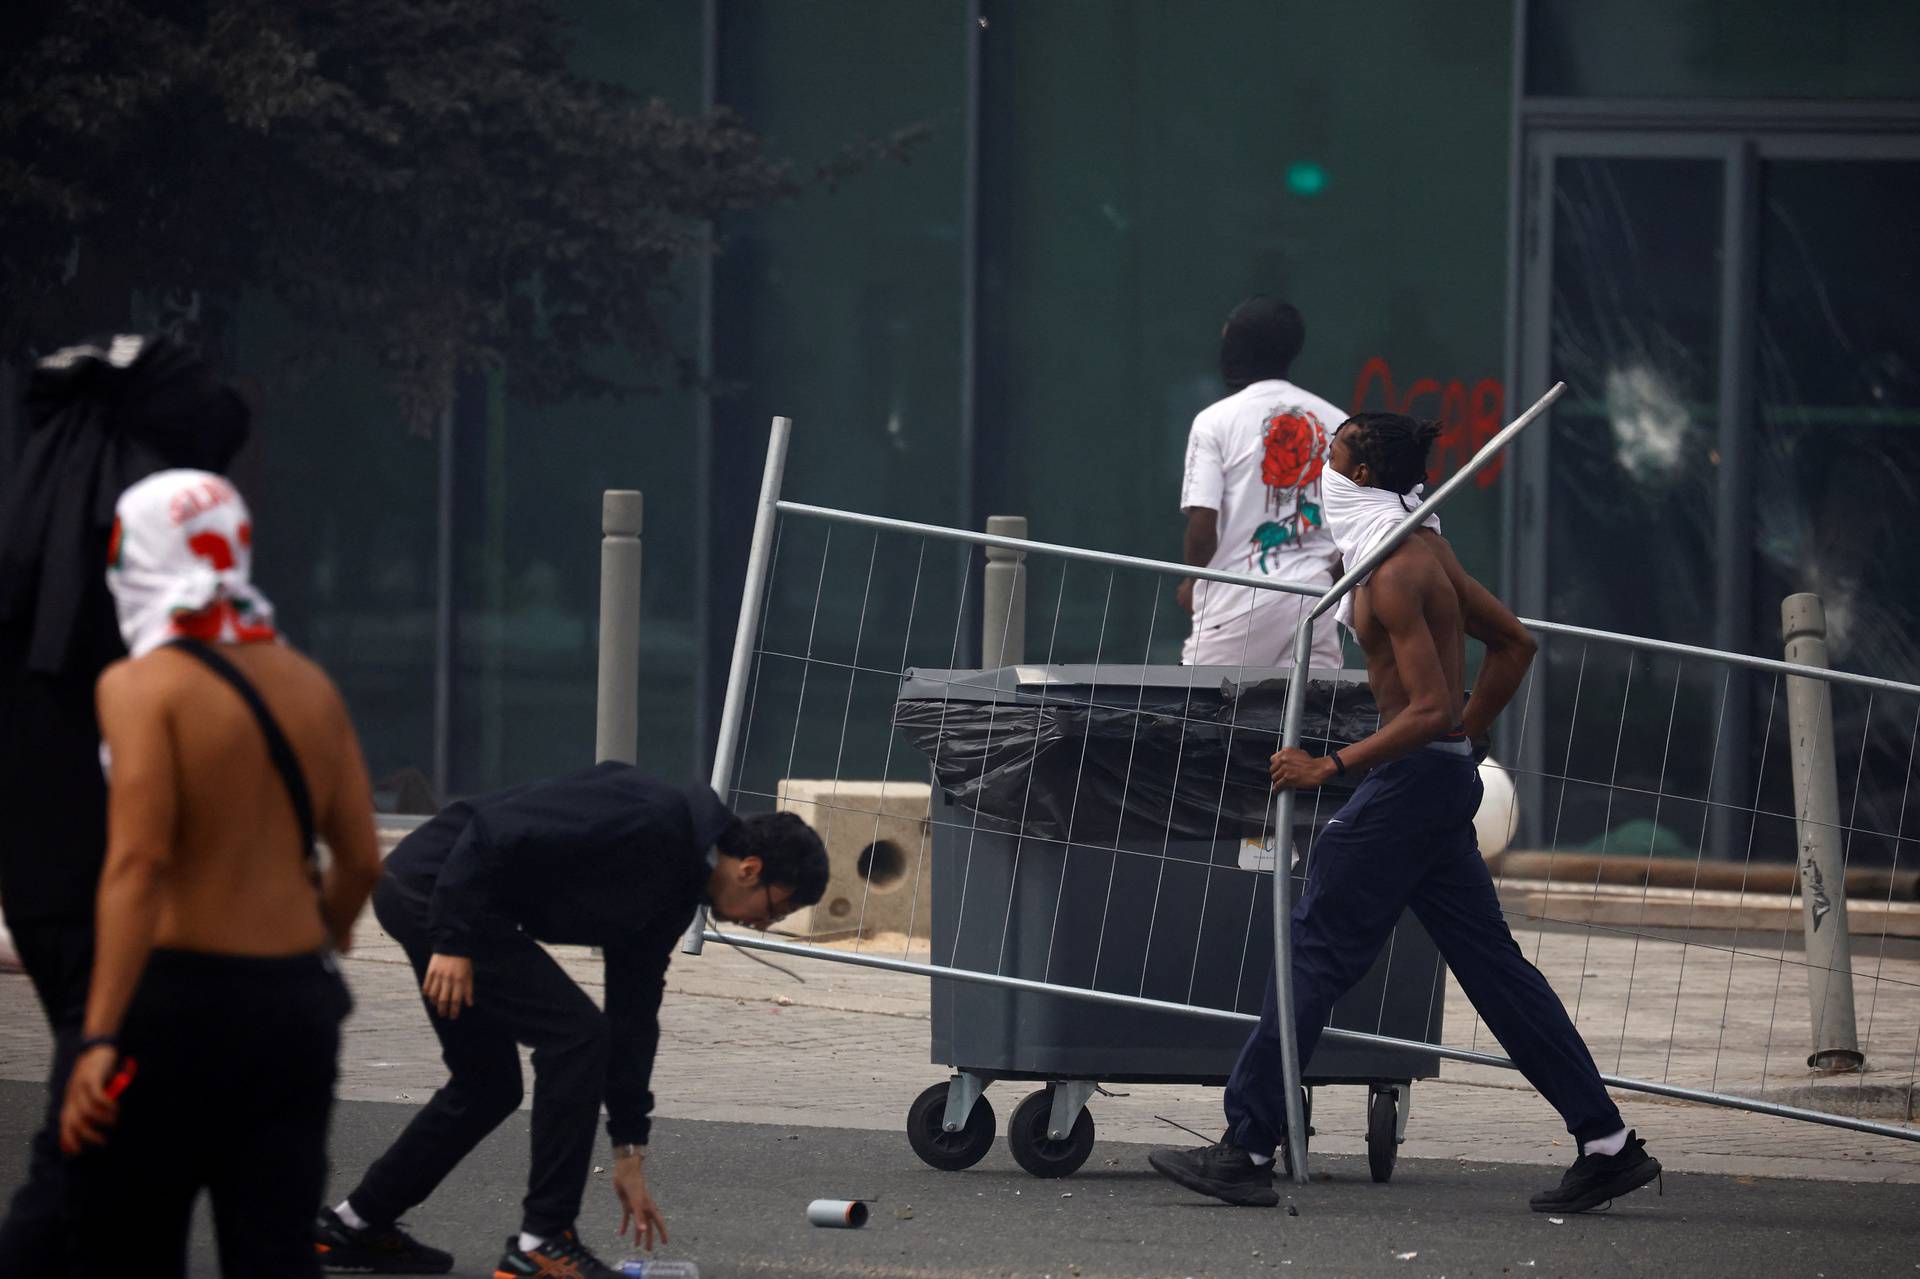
(848, 1048)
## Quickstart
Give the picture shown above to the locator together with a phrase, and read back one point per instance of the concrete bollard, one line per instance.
(1003, 610)
(1821, 856)
(616, 732)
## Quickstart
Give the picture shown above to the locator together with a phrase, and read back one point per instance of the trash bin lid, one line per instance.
(1054, 683)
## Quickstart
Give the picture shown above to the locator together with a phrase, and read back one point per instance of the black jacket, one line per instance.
(608, 857)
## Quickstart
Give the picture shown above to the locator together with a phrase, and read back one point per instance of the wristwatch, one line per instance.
(630, 1150)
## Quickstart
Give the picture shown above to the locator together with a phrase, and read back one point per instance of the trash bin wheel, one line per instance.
(1383, 1139)
(938, 1148)
(1038, 1153)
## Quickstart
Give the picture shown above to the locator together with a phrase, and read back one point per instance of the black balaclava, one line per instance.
(1262, 337)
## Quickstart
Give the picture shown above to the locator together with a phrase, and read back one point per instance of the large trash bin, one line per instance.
(1095, 827)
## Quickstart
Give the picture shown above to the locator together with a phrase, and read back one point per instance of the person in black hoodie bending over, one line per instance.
(608, 857)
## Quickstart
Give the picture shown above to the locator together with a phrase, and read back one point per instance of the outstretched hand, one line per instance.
(637, 1208)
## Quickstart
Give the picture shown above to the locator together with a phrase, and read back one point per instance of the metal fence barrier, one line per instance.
(841, 607)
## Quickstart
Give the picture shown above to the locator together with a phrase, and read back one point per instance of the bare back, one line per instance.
(195, 792)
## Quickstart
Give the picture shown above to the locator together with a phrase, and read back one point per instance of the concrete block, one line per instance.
(880, 848)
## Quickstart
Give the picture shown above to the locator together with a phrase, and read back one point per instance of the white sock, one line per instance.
(1259, 1161)
(529, 1242)
(1611, 1144)
(346, 1213)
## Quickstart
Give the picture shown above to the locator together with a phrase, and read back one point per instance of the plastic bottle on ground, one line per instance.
(659, 1268)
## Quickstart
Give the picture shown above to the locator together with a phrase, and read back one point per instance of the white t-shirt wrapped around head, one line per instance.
(1361, 518)
(1256, 457)
(181, 564)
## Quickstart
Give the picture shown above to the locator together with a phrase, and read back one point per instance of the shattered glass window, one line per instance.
(1634, 333)
(1836, 458)
(1837, 462)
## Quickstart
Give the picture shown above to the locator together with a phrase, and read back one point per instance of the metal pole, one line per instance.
(967, 435)
(1823, 871)
(759, 564)
(443, 621)
(1733, 499)
(942, 533)
(1283, 914)
(616, 721)
(1003, 600)
(1290, 736)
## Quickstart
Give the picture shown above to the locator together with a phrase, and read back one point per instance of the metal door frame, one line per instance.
(1741, 137)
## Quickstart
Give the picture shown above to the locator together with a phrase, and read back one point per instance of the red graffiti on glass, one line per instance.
(1468, 418)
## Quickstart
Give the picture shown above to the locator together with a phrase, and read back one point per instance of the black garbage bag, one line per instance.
(1119, 764)
(100, 417)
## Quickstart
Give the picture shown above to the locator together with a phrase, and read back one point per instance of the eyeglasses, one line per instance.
(775, 913)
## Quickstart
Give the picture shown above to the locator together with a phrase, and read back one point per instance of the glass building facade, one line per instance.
(1699, 215)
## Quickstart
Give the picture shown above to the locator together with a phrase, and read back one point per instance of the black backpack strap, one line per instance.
(279, 749)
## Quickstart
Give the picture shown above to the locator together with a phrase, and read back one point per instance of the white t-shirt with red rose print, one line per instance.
(1256, 458)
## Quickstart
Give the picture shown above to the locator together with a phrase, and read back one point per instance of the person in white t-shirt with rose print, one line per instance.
(1251, 496)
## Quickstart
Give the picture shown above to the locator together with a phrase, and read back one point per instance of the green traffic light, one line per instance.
(1306, 178)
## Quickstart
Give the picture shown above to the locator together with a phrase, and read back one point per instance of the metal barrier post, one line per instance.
(616, 721)
(1290, 1063)
(759, 568)
(1823, 871)
(1003, 599)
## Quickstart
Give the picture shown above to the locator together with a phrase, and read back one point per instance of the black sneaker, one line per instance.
(1222, 1170)
(375, 1251)
(1599, 1179)
(561, 1257)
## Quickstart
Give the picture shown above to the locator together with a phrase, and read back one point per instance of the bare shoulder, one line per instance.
(1439, 547)
(294, 673)
(148, 680)
(1413, 567)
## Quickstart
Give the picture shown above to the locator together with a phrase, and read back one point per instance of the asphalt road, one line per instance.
(735, 1197)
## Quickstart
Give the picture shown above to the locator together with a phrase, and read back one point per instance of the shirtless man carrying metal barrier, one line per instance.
(1406, 839)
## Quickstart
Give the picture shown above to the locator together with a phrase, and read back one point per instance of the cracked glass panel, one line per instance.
(1836, 459)
(1634, 333)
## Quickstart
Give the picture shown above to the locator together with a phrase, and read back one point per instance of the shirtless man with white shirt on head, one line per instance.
(1251, 495)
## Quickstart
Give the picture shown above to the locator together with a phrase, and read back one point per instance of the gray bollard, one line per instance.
(1822, 858)
(616, 728)
(1003, 609)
